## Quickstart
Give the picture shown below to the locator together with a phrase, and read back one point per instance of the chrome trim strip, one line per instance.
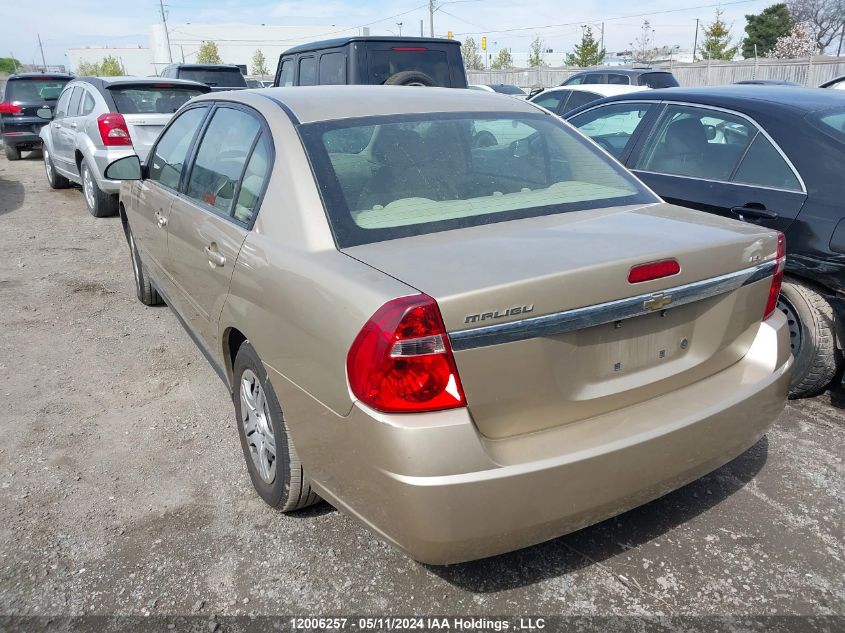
(599, 314)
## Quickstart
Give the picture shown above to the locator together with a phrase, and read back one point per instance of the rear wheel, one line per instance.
(812, 338)
(56, 180)
(146, 292)
(99, 203)
(410, 78)
(272, 461)
(12, 152)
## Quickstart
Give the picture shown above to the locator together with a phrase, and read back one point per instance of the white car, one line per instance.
(566, 98)
(504, 89)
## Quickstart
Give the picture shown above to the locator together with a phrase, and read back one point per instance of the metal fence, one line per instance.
(807, 72)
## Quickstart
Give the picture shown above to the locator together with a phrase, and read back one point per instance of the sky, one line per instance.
(78, 23)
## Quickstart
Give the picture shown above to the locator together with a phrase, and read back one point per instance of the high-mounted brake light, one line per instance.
(777, 278)
(401, 360)
(9, 108)
(113, 130)
(409, 48)
(653, 270)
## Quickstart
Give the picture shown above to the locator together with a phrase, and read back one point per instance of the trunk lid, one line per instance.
(514, 272)
(144, 130)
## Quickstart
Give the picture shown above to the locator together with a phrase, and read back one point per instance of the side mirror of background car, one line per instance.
(126, 168)
(45, 113)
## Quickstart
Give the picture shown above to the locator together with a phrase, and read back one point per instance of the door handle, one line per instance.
(754, 212)
(214, 256)
(160, 220)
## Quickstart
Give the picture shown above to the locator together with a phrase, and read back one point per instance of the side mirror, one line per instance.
(44, 113)
(126, 168)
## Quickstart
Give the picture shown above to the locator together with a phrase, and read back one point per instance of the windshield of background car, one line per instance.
(227, 77)
(386, 63)
(831, 122)
(34, 88)
(658, 80)
(383, 178)
(152, 99)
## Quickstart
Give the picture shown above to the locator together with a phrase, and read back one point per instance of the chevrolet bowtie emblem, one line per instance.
(657, 302)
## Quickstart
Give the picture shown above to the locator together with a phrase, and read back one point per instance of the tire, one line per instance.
(100, 204)
(410, 78)
(12, 152)
(282, 484)
(56, 180)
(145, 291)
(812, 336)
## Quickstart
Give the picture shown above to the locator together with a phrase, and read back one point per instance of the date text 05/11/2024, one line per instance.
(418, 623)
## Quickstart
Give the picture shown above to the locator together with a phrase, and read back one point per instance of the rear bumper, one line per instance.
(445, 494)
(102, 158)
(15, 138)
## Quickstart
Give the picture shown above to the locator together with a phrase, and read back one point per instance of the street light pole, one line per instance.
(43, 61)
(399, 24)
(431, 18)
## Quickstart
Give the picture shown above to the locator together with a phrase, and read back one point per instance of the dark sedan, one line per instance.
(770, 155)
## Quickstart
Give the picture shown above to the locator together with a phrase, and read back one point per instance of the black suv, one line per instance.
(25, 93)
(217, 76)
(649, 77)
(398, 61)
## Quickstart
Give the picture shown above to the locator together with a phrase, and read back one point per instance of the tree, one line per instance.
(586, 53)
(472, 58)
(763, 30)
(535, 53)
(259, 64)
(110, 67)
(208, 53)
(87, 69)
(643, 47)
(717, 40)
(799, 42)
(503, 60)
(9, 65)
(825, 18)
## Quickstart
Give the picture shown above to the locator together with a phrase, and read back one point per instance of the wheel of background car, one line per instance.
(271, 459)
(12, 152)
(55, 179)
(410, 78)
(812, 338)
(99, 203)
(485, 139)
(146, 292)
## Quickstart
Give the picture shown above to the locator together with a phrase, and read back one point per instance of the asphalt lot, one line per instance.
(123, 488)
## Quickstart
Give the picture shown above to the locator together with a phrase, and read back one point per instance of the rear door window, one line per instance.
(307, 71)
(575, 80)
(579, 98)
(333, 69)
(152, 98)
(168, 157)
(612, 126)
(618, 80)
(75, 98)
(61, 106)
(552, 100)
(765, 167)
(595, 78)
(658, 80)
(386, 63)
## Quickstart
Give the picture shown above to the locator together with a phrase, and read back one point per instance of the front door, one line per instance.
(209, 222)
(62, 155)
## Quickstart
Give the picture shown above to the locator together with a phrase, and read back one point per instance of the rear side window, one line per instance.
(384, 64)
(34, 89)
(75, 98)
(658, 80)
(253, 183)
(286, 76)
(88, 104)
(579, 98)
(152, 99)
(618, 80)
(168, 158)
(595, 78)
(307, 71)
(215, 77)
(552, 100)
(61, 106)
(332, 69)
(221, 157)
(765, 167)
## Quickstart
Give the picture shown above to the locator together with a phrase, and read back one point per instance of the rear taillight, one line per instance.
(9, 108)
(777, 278)
(113, 129)
(401, 360)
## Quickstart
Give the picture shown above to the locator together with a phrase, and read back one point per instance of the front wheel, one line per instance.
(271, 459)
(99, 203)
(812, 337)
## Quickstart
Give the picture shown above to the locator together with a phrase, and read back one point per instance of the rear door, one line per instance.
(208, 224)
(720, 162)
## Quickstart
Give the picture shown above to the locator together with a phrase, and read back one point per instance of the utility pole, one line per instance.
(431, 18)
(601, 47)
(695, 43)
(166, 34)
(43, 61)
(399, 24)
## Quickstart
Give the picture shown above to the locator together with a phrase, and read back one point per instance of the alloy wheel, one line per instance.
(48, 167)
(88, 187)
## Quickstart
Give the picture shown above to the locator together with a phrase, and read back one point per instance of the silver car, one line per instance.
(100, 119)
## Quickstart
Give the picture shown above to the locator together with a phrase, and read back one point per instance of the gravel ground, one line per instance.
(123, 488)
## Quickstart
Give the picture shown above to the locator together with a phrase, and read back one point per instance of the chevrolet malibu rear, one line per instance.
(473, 348)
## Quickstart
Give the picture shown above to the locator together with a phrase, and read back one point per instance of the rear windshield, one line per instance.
(227, 77)
(658, 80)
(384, 64)
(831, 122)
(152, 99)
(508, 90)
(383, 178)
(35, 88)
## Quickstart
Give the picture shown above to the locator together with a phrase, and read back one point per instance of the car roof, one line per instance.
(607, 90)
(737, 95)
(342, 41)
(622, 71)
(39, 74)
(105, 82)
(308, 104)
(207, 66)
